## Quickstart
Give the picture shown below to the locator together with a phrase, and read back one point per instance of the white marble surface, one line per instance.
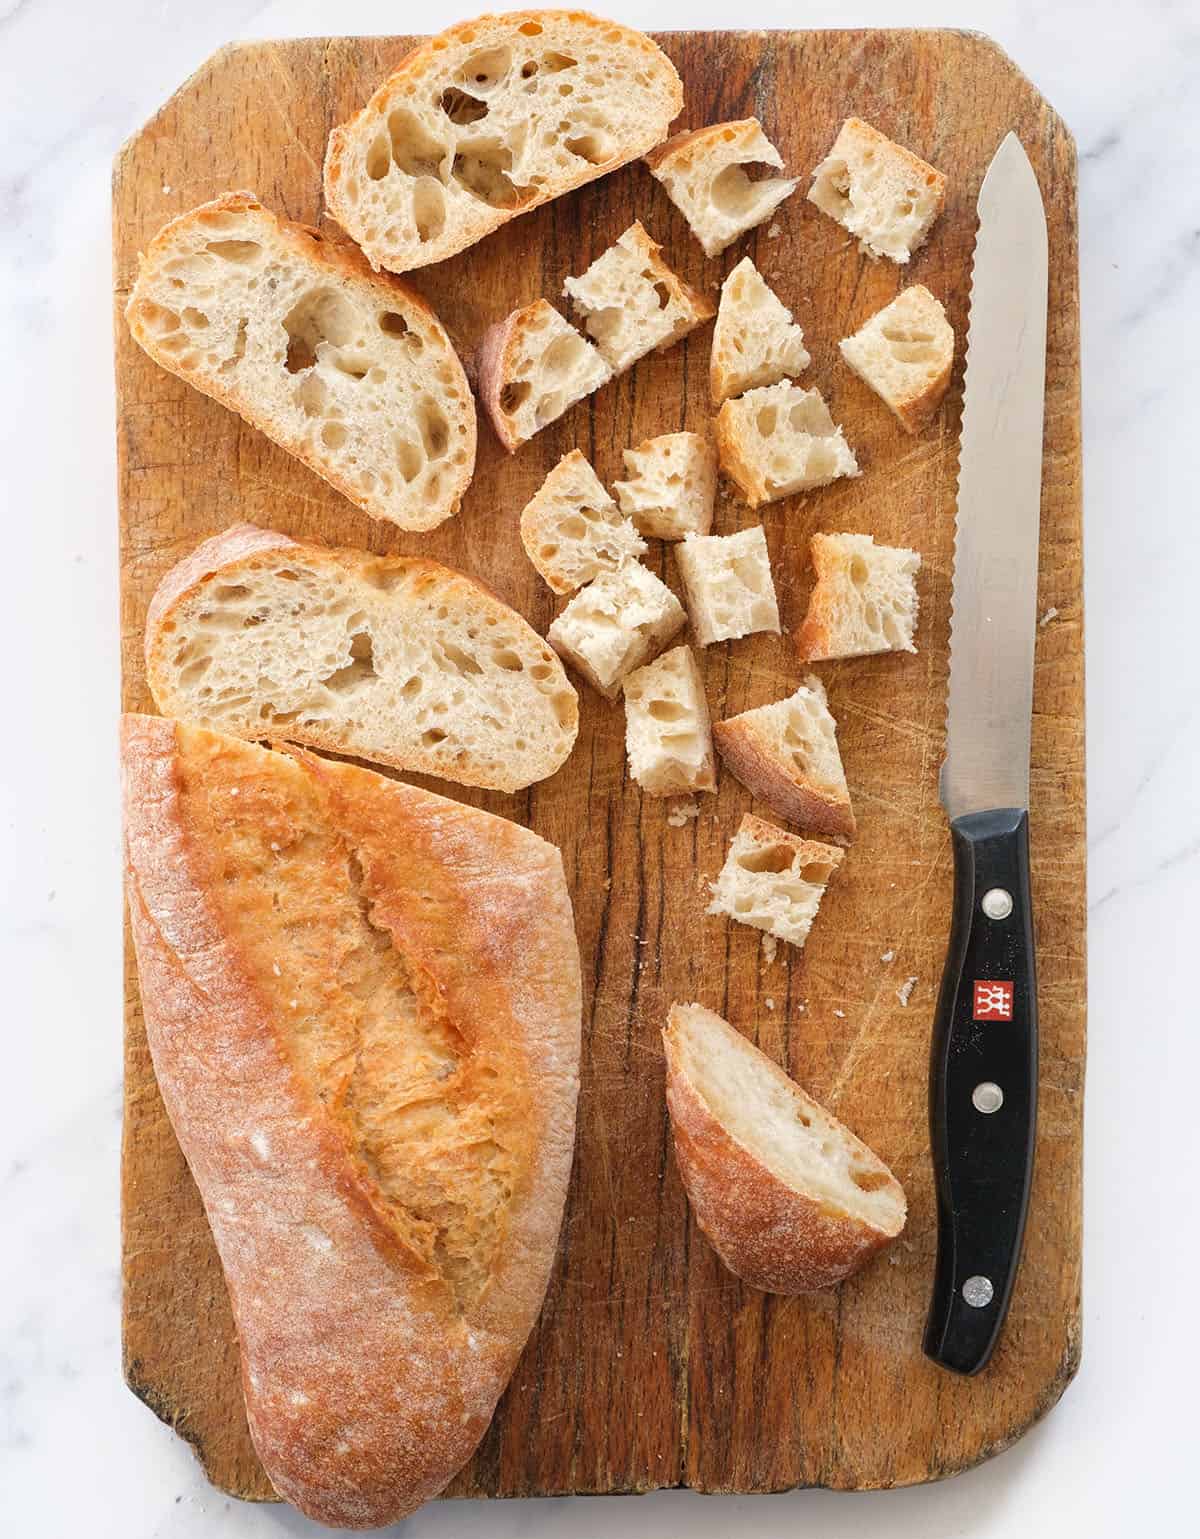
(78, 1455)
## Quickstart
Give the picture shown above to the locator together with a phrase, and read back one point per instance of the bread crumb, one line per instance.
(904, 992)
(166, 188)
(769, 1002)
(682, 812)
(888, 956)
(770, 946)
(841, 1014)
(774, 231)
(1051, 614)
(275, 968)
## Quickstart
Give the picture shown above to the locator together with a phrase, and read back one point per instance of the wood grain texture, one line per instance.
(652, 1365)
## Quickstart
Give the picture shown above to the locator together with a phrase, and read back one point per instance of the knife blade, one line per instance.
(983, 1073)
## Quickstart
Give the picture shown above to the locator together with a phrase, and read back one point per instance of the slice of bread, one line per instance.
(787, 754)
(632, 303)
(779, 440)
(531, 367)
(572, 530)
(865, 600)
(667, 732)
(789, 1198)
(730, 591)
(388, 658)
(615, 624)
(671, 487)
(755, 341)
(347, 369)
(704, 174)
(490, 119)
(773, 881)
(906, 354)
(882, 193)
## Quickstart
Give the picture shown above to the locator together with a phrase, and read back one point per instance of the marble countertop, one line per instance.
(80, 1458)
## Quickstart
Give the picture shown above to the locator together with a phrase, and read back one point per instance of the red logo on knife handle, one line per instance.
(993, 1000)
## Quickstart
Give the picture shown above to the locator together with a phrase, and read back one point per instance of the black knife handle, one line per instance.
(984, 1053)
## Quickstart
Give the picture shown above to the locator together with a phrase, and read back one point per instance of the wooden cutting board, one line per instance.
(652, 1366)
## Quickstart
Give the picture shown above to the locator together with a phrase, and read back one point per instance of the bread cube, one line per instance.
(755, 341)
(882, 193)
(779, 440)
(787, 754)
(667, 732)
(730, 592)
(704, 176)
(632, 303)
(773, 880)
(865, 599)
(618, 622)
(532, 366)
(905, 353)
(671, 487)
(572, 530)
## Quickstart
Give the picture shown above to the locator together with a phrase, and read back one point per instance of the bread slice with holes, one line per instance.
(773, 881)
(787, 754)
(531, 367)
(572, 530)
(671, 485)
(389, 658)
(363, 1004)
(618, 622)
(780, 440)
(488, 120)
(705, 176)
(905, 353)
(865, 599)
(755, 341)
(879, 191)
(789, 1198)
(348, 370)
(730, 591)
(668, 735)
(631, 303)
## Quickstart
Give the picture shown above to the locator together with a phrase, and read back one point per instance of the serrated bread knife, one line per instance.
(983, 1080)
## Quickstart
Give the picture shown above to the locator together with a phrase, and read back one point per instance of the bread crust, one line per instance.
(344, 260)
(366, 1385)
(425, 60)
(760, 771)
(493, 365)
(678, 144)
(767, 1233)
(245, 541)
(820, 637)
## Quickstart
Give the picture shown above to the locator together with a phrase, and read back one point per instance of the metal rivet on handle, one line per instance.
(978, 1291)
(997, 904)
(987, 1098)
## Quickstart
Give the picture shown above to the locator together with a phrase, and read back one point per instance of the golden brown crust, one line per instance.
(335, 256)
(760, 771)
(367, 1383)
(767, 1233)
(701, 307)
(734, 463)
(678, 144)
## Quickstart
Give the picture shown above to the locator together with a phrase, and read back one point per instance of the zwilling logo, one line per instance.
(993, 1000)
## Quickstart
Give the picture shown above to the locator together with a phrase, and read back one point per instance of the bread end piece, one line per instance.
(905, 353)
(790, 1199)
(864, 602)
(668, 735)
(882, 193)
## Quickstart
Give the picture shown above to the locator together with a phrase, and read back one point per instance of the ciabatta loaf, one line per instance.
(879, 191)
(388, 658)
(730, 591)
(787, 754)
(789, 1198)
(865, 599)
(490, 119)
(773, 880)
(572, 530)
(632, 303)
(780, 440)
(363, 1006)
(670, 485)
(532, 366)
(348, 370)
(755, 341)
(905, 353)
(704, 173)
(667, 732)
(618, 622)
